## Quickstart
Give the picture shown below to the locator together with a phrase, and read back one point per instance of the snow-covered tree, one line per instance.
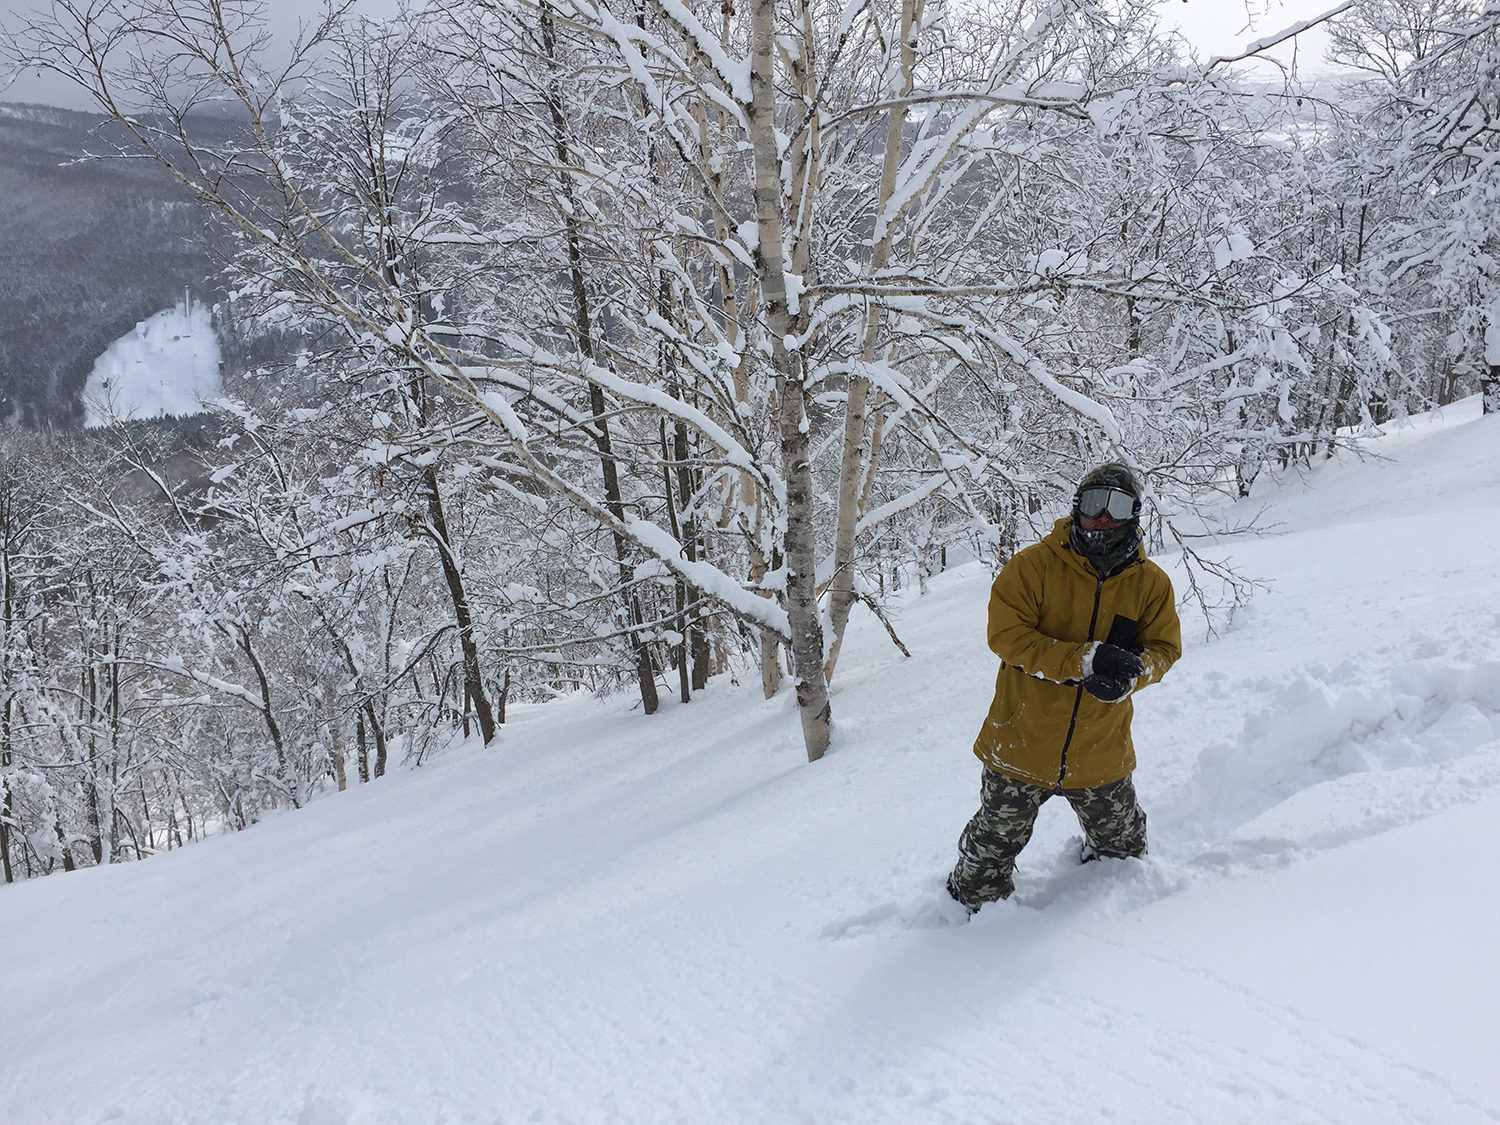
(1425, 146)
(623, 347)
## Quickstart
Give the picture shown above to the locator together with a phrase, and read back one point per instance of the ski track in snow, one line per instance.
(616, 919)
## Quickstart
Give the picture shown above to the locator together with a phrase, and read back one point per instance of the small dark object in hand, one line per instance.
(1119, 663)
(1107, 689)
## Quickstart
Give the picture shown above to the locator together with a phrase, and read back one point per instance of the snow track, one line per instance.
(617, 919)
(1327, 756)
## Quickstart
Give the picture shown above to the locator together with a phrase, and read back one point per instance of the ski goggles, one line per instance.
(1094, 502)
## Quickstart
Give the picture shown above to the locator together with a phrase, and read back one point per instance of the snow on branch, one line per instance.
(909, 499)
(709, 578)
(177, 667)
(1074, 400)
(759, 612)
(735, 73)
(1267, 42)
(734, 453)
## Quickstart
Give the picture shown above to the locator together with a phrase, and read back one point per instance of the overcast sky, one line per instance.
(1226, 27)
(283, 16)
(1214, 27)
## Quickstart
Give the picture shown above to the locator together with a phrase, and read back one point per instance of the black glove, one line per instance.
(1108, 689)
(1117, 663)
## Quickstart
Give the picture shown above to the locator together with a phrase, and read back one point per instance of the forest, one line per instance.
(584, 346)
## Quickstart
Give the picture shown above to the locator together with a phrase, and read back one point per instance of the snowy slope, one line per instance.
(168, 364)
(610, 918)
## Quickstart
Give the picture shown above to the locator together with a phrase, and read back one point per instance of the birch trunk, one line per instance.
(851, 467)
(335, 735)
(801, 550)
(748, 491)
(5, 830)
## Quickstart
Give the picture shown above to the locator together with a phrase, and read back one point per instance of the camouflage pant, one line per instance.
(1113, 825)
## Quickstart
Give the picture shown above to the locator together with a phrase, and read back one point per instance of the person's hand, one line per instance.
(1108, 689)
(1115, 662)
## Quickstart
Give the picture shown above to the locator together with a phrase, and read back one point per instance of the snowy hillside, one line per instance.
(609, 918)
(167, 365)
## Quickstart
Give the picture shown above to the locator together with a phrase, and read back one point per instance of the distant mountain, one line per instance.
(88, 249)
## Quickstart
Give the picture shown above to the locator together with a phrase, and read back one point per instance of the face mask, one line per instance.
(1108, 550)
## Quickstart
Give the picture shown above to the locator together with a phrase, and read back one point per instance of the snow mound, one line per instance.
(167, 365)
(1333, 754)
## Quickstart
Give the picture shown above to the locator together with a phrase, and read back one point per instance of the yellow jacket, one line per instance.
(1046, 606)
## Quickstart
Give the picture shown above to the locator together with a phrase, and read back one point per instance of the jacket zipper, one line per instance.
(1062, 768)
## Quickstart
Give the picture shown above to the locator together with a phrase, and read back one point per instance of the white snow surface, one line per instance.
(613, 918)
(168, 364)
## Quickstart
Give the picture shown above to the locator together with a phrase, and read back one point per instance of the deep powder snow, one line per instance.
(610, 918)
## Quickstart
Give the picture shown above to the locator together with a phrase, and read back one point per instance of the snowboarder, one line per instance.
(1079, 621)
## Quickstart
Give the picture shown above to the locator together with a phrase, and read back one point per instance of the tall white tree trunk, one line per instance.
(801, 550)
(841, 585)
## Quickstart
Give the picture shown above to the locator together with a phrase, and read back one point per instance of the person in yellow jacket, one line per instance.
(1080, 621)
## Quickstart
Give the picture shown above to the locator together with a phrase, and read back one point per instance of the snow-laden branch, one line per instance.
(759, 612)
(1080, 403)
(909, 499)
(175, 665)
(1265, 43)
(734, 453)
(708, 578)
(734, 73)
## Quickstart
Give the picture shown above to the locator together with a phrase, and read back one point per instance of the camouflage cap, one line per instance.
(1112, 474)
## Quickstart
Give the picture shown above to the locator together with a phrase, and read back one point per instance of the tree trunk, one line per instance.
(380, 751)
(583, 322)
(362, 749)
(268, 715)
(749, 490)
(702, 652)
(88, 708)
(5, 829)
(770, 647)
(695, 640)
(680, 649)
(841, 582)
(801, 549)
(473, 681)
(63, 846)
(841, 596)
(335, 736)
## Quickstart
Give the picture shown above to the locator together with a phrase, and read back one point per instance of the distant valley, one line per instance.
(89, 248)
